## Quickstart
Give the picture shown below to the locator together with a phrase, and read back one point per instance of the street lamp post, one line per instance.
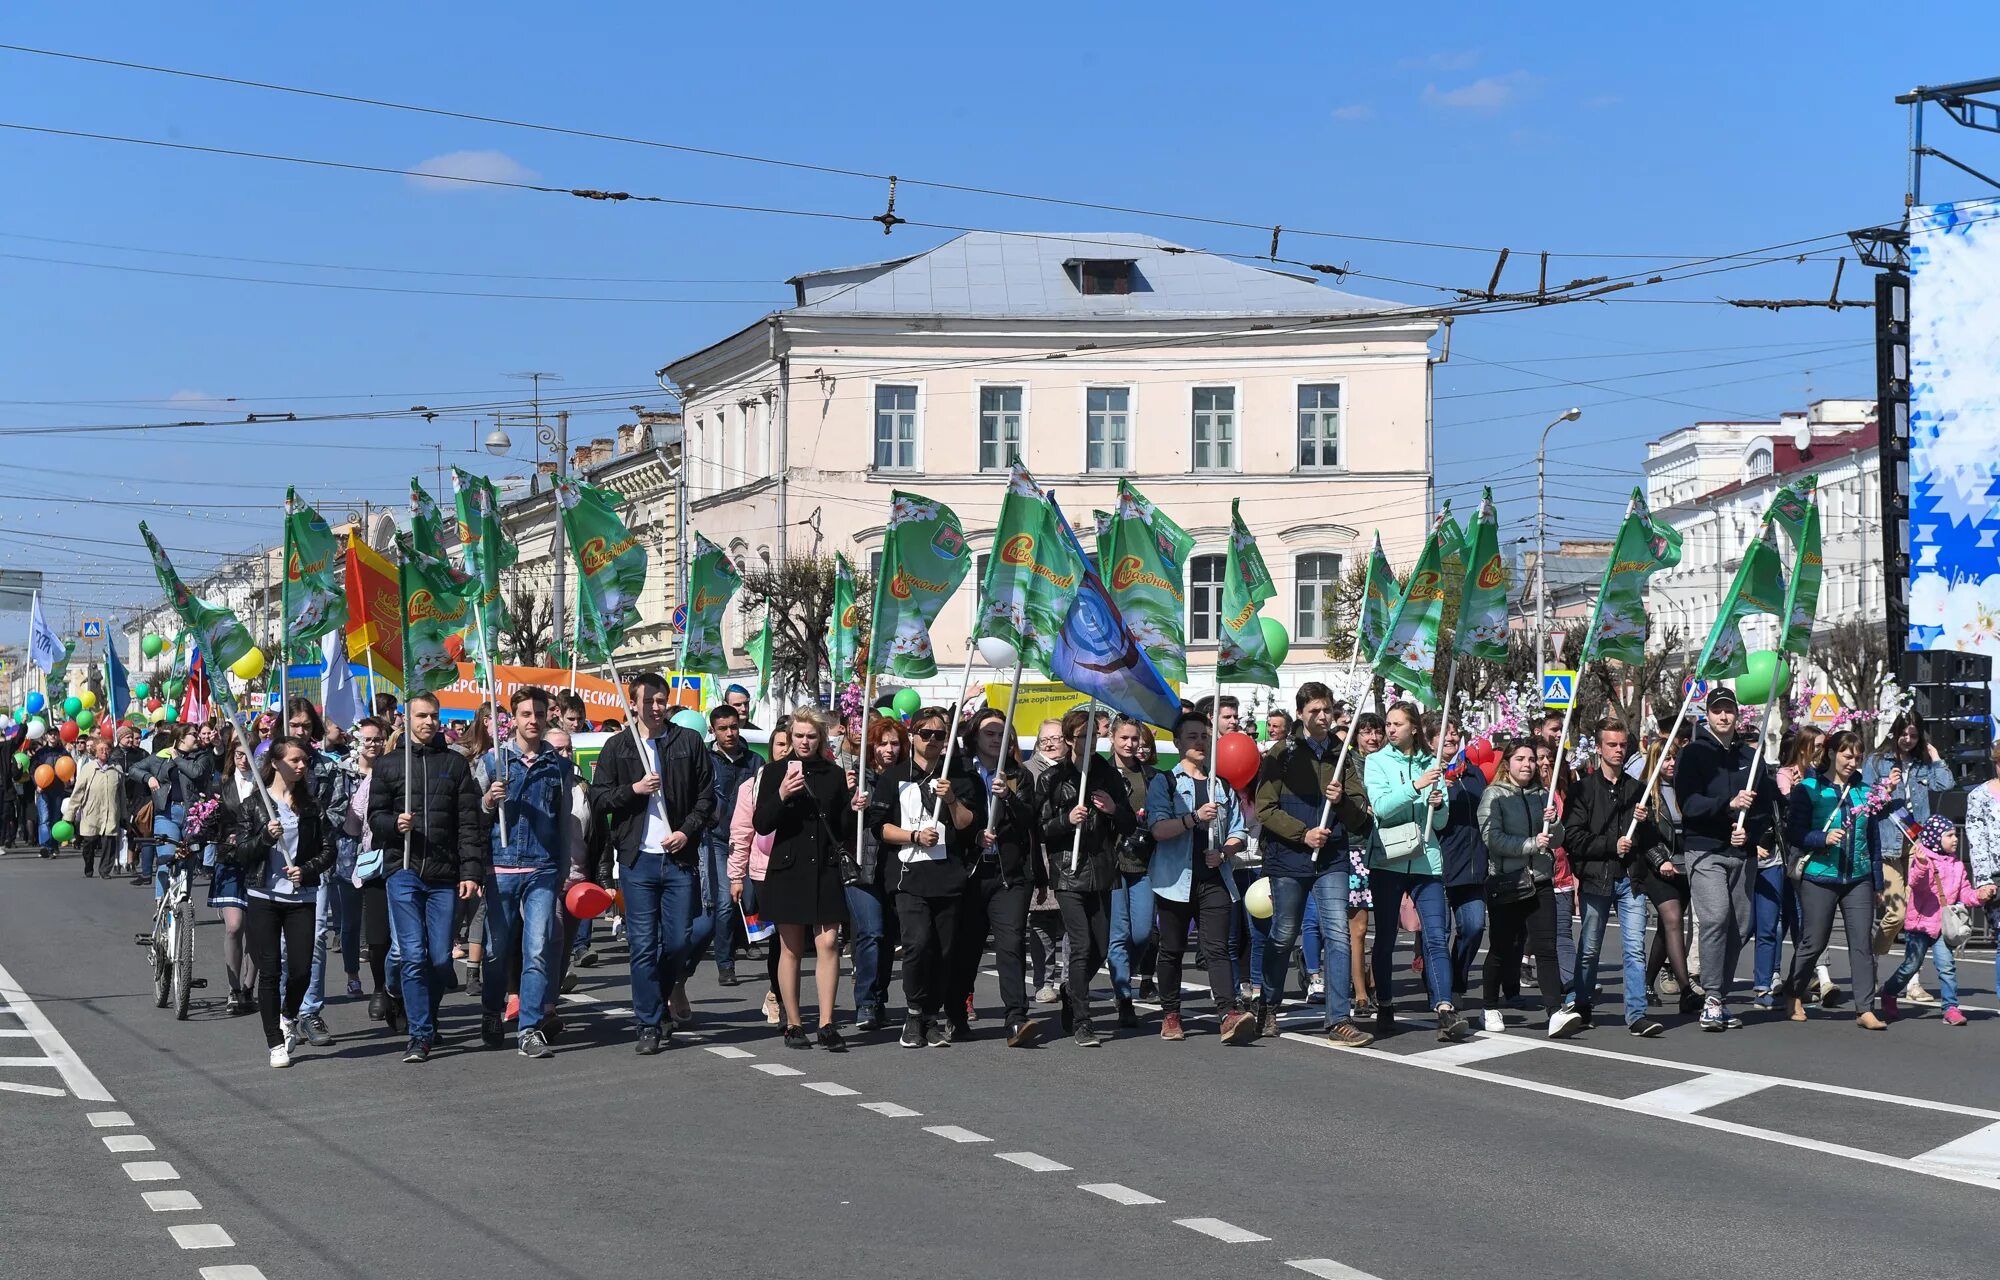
(1541, 550)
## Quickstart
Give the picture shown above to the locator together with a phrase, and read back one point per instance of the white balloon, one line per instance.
(1257, 898)
(69, 802)
(997, 652)
(36, 730)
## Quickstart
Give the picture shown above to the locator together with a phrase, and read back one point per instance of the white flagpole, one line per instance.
(1444, 716)
(1346, 739)
(951, 723)
(861, 760)
(1083, 785)
(1653, 779)
(1763, 738)
(1008, 746)
(632, 723)
(493, 702)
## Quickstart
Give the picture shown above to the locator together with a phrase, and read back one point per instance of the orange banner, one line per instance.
(600, 697)
(374, 611)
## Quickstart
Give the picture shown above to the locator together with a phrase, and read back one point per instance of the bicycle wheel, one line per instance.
(183, 959)
(162, 967)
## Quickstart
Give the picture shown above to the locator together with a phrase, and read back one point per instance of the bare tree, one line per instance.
(1855, 658)
(526, 632)
(797, 595)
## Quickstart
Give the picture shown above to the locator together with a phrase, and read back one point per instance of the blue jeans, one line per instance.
(865, 918)
(1775, 907)
(1289, 896)
(1310, 944)
(1566, 935)
(717, 904)
(521, 916)
(1131, 931)
(326, 922)
(350, 926)
(48, 812)
(421, 917)
(1468, 930)
(1631, 938)
(1248, 937)
(169, 826)
(1915, 947)
(662, 901)
(1433, 920)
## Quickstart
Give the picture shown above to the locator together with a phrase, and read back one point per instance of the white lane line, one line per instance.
(890, 1109)
(81, 1080)
(1702, 1092)
(1217, 1229)
(127, 1142)
(108, 1119)
(1031, 1162)
(773, 1069)
(953, 1133)
(15, 1031)
(1977, 1153)
(1328, 1269)
(728, 1051)
(150, 1171)
(830, 1089)
(200, 1235)
(1118, 1193)
(164, 1201)
(1479, 1049)
(29, 1062)
(231, 1273)
(39, 1090)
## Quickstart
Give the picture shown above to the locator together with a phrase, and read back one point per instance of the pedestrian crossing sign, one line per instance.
(1825, 709)
(93, 628)
(1558, 687)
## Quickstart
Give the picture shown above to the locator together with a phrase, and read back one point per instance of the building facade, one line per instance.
(1096, 358)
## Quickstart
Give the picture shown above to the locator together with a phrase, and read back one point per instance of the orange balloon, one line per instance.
(66, 769)
(618, 900)
(45, 777)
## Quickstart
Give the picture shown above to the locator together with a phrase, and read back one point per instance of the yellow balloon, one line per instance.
(250, 665)
(1257, 898)
(88, 699)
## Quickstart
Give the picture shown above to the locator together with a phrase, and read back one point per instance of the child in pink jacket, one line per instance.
(1937, 880)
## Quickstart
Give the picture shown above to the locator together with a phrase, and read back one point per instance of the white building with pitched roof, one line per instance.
(1098, 357)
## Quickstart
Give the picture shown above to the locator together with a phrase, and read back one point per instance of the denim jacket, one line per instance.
(1171, 795)
(729, 778)
(538, 809)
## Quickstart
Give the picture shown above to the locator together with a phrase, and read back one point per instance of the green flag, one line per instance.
(610, 562)
(923, 561)
(486, 552)
(760, 657)
(1142, 557)
(221, 637)
(1759, 587)
(1032, 576)
(310, 602)
(1378, 586)
(1408, 656)
(712, 582)
(843, 624)
(435, 607)
(1618, 621)
(1482, 629)
(589, 635)
(1796, 511)
(1241, 655)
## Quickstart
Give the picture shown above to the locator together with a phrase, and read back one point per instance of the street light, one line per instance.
(498, 442)
(1541, 550)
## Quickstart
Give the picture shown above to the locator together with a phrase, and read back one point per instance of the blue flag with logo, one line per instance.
(117, 689)
(45, 647)
(1096, 655)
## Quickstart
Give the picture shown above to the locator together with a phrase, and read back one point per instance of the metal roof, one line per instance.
(1022, 274)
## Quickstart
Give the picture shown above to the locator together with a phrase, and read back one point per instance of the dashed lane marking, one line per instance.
(200, 1235)
(150, 1171)
(1977, 1153)
(830, 1089)
(890, 1109)
(1118, 1193)
(1217, 1229)
(728, 1051)
(166, 1201)
(108, 1119)
(1031, 1162)
(1480, 1049)
(1328, 1269)
(1702, 1092)
(38, 1090)
(127, 1142)
(774, 1069)
(81, 1080)
(231, 1273)
(954, 1133)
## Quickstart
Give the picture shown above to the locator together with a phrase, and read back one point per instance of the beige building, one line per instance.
(1097, 357)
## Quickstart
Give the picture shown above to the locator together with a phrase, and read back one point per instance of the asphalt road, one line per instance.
(1773, 1151)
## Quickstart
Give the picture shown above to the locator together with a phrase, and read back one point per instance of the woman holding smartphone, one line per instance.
(803, 803)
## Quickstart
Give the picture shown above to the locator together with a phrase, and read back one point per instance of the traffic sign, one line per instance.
(1558, 687)
(1825, 709)
(680, 618)
(1691, 686)
(93, 628)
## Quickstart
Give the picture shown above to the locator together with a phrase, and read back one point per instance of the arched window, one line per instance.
(1758, 464)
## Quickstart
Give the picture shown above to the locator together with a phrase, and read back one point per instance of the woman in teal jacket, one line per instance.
(1825, 822)
(1406, 791)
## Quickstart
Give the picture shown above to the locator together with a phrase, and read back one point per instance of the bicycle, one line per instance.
(171, 942)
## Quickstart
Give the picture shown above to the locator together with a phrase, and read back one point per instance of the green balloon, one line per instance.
(1275, 640)
(689, 718)
(71, 706)
(142, 690)
(1754, 687)
(62, 832)
(151, 646)
(21, 760)
(85, 719)
(174, 687)
(907, 702)
(169, 713)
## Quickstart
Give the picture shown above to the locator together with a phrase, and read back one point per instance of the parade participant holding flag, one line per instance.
(1191, 880)
(1083, 811)
(1829, 819)
(1404, 856)
(1000, 882)
(1598, 811)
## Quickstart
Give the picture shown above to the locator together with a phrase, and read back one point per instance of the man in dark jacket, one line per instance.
(1083, 867)
(1713, 782)
(1598, 809)
(423, 808)
(659, 804)
(1462, 851)
(733, 764)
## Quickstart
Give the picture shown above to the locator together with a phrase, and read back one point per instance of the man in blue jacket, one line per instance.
(733, 763)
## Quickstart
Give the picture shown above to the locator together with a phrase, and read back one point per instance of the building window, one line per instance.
(895, 428)
(874, 566)
(1108, 429)
(1318, 577)
(1101, 275)
(999, 426)
(1319, 426)
(1215, 428)
(1759, 464)
(1205, 598)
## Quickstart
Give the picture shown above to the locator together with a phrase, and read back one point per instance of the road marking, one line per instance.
(889, 1109)
(163, 1201)
(39, 1090)
(127, 1142)
(108, 1119)
(1118, 1193)
(200, 1235)
(830, 1089)
(1328, 1269)
(953, 1133)
(728, 1051)
(1480, 1049)
(1977, 1153)
(1702, 1092)
(231, 1273)
(29, 1062)
(1031, 1162)
(80, 1079)
(15, 1031)
(1227, 1232)
(773, 1069)
(150, 1171)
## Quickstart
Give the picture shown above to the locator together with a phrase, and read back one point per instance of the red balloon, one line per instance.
(1490, 767)
(587, 901)
(1480, 751)
(68, 731)
(152, 704)
(1236, 760)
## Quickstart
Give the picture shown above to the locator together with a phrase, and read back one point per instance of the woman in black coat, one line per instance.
(803, 802)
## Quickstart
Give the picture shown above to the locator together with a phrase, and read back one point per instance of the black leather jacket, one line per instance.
(1095, 868)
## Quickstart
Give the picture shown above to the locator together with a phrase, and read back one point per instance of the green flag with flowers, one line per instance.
(712, 582)
(1482, 630)
(1378, 586)
(215, 629)
(486, 552)
(1795, 509)
(1759, 587)
(1143, 555)
(435, 607)
(1241, 656)
(924, 558)
(1618, 620)
(1032, 576)
(310, 602)
(843, 624)
(610, 561)
(1408, 656)
(760, 657)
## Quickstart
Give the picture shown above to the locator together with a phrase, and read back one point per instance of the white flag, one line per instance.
(342, 698)
(45, 647)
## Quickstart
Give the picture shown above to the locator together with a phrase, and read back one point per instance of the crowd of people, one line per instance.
(935, 841)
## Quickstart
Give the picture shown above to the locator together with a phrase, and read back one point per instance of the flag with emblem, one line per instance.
(843, 623)
(1618, 621)
(1408, 656)
(1378, 588)
(435, 607)
(924, 558)
(1796, 511)
(610, 562)
(760, 657)
(1241, 655)
(310, 601)
(1482, 607)
(712, 582)
(485, 552)
(1143, 554)
(1032, 576)
(1759, 587)
(1096, 654)
(211, 626)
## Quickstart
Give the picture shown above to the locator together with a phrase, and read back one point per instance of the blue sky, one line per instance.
(1589, 129)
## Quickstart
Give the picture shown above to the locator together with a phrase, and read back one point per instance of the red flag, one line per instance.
(374, 611)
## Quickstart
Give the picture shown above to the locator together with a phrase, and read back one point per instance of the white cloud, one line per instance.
(1488, 93)
(488, 166)
(1443, 60)
(1354, 111)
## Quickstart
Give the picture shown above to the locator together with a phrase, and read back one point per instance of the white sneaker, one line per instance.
(1316, 989)
(1493, 1021)
(1047, 994)
(289, 1029)
(281, 1054)
(1917, 995)
(1564, 1023)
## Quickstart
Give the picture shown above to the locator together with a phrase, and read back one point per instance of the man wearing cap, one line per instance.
(1715, 784)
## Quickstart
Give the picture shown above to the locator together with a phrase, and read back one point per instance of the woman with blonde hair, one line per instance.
(803, 803)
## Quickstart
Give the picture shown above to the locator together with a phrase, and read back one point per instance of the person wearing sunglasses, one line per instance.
(1084, 811)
